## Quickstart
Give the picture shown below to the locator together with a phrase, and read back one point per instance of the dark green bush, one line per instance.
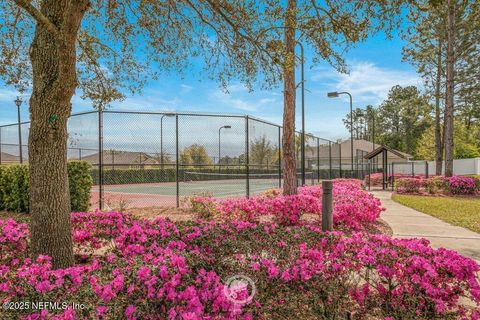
(80, 183)
(14, 186)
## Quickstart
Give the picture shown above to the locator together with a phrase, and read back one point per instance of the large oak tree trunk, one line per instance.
(449, 92)
(289, 167)
(53, 60)
(438, 125)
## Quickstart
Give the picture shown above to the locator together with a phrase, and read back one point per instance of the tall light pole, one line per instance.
(219, 145)
(18, 102)
(335, 95)
(161, 135)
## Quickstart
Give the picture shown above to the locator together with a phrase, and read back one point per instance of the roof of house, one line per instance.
(7, 157)
(382, 148)
(358, 145)
(122, 157)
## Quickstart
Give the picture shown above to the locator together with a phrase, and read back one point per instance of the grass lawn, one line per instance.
(459, 211)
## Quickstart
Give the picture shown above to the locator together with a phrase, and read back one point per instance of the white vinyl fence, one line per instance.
(460, 166)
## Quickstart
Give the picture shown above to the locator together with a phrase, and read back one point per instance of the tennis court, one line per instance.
(161, 194)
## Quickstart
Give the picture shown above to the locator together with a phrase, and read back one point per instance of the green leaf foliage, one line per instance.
(14, 186)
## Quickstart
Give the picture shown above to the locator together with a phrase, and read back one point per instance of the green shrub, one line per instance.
(408, 185)
(80, 184)
(14, 186)
(435, 184)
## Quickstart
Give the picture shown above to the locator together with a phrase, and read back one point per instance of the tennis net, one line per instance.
(262, 177)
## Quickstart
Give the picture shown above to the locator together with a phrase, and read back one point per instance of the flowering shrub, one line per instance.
(354, 208)
(408, 185)
(164, 270)
(461, 185)
(13, 239)
(456, 185)
(202, 205)
(376, 179)
(435, 185)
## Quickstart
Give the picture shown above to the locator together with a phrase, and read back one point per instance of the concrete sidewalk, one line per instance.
(409, 223)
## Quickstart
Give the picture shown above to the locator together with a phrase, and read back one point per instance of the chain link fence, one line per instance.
(150, 159)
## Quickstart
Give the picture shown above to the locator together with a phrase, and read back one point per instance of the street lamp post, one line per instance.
(161, 135)
(335, 95)
(219, 145)
(18, 102)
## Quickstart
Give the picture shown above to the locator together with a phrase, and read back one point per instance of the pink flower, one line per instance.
(130, 312)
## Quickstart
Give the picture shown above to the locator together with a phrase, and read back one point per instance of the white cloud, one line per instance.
(367, 82)
(238, 97)
(185, 88)
(227, 100)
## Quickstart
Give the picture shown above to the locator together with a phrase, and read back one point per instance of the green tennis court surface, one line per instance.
(219, 188)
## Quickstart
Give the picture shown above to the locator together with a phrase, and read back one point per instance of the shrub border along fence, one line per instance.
(455, 185)
(14, 186)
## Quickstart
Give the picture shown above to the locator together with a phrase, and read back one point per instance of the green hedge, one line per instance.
(14, 186)
(80, 183)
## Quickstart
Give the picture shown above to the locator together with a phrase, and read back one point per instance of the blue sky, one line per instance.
(375, 66)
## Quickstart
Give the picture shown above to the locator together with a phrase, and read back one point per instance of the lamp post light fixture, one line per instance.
(219, 145)
(18, 103)
(336, 94)
(161, 135)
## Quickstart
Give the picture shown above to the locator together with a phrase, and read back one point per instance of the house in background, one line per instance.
(7, 158)
(341, 153)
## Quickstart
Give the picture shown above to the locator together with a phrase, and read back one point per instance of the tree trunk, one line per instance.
(449, 92)
(289, 168)
(438, 125)
(53, 60)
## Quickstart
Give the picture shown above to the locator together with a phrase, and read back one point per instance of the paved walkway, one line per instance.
(409, 223)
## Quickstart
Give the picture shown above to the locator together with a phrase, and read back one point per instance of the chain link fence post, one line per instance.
(100, 159)
(393, 177)
(330, 160)
(318, 160)
(247, 158)
(279, 157)
(176, 162)
(340, 158)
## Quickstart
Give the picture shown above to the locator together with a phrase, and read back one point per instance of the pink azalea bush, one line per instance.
(377, 178)
(408, 185)
(164, 270)
(354, 208)
(13, 239)
(456, 185)
(461, 185)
